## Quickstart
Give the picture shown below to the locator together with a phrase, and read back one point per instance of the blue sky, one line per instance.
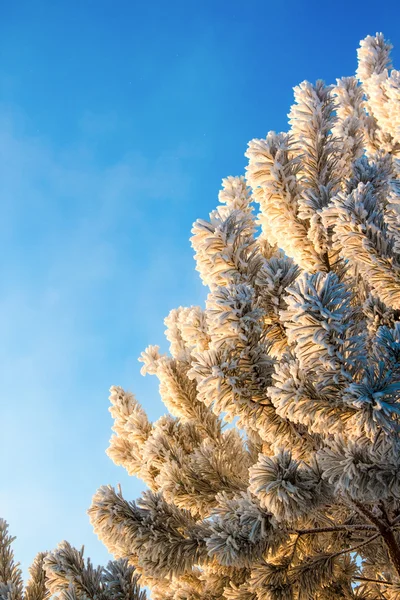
(118, 121)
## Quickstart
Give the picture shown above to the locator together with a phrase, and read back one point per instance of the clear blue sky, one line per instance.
(118, 120)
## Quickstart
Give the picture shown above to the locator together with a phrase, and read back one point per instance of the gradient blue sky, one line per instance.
(118, 120)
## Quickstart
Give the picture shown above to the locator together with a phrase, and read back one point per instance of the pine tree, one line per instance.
(11, 584)
(63, 574)
(298, 346)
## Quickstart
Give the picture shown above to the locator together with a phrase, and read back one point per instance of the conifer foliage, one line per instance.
(299, 346)
(64, 575)
(11, 584)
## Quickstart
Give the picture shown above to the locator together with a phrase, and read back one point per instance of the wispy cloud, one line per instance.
(85, 258)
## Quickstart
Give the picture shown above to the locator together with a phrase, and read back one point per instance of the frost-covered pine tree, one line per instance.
(11, 584)
(298, 346)
(70, 577)
(64, 575)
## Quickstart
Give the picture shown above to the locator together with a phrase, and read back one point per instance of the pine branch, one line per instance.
(370, 580)
(349, 527)
(358, 546)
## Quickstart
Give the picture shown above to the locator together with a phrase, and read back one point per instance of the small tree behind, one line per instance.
(299, 345)
(65, 575)
(11, 584)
